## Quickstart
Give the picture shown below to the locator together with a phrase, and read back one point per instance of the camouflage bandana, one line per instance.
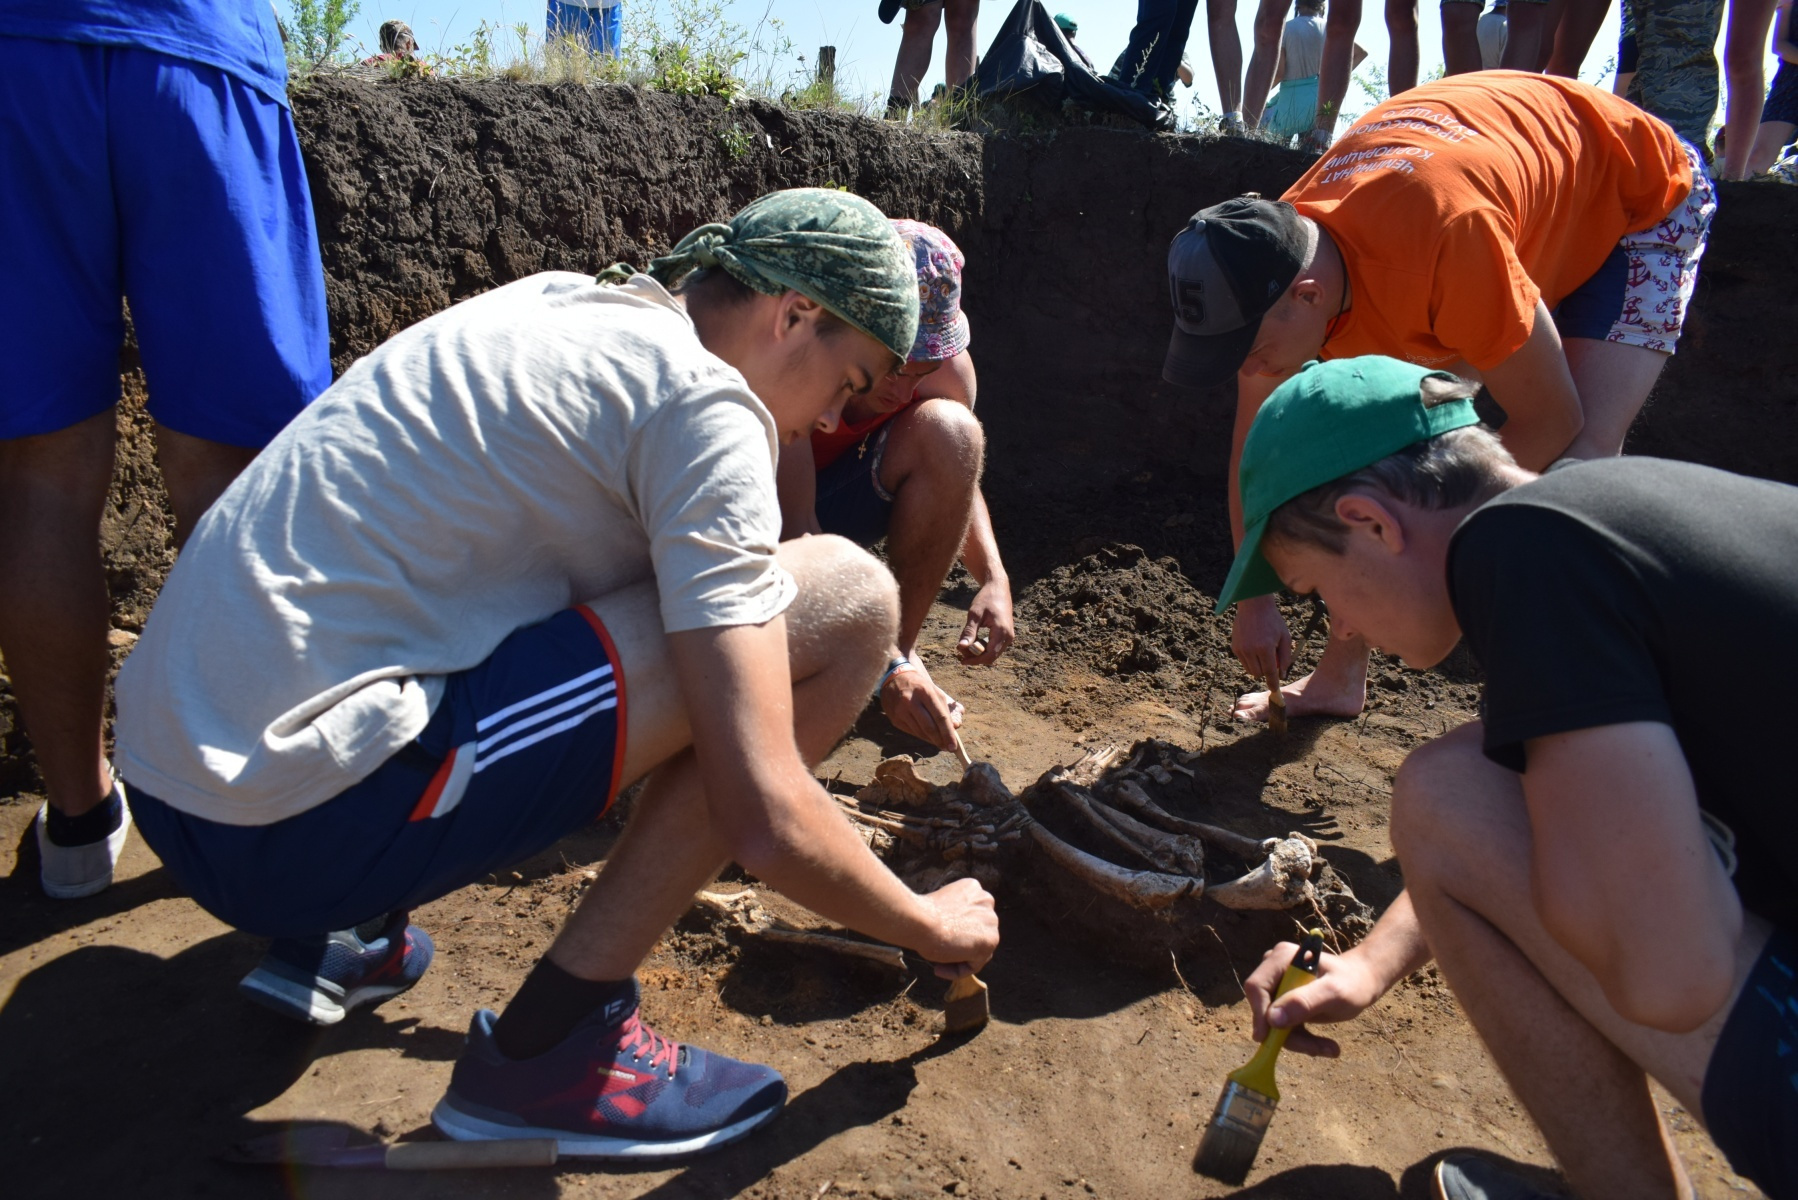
(829, 246)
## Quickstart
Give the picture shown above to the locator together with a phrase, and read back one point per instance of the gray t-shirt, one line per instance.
(540, 445)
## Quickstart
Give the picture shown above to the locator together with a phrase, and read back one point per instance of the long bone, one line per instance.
(1149, 890)
(1282, 881)
(1127, 794)
(1167, 852)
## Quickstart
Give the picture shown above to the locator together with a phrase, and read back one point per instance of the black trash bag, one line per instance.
(1029, 56)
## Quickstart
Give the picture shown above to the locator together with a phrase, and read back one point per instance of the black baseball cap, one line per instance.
(1224, 271)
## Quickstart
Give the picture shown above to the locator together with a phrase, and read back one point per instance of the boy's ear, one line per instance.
(1365, 515)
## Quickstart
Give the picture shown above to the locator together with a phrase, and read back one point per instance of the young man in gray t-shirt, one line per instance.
(521, 555)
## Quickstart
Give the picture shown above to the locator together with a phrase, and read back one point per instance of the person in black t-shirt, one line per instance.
(1598, 864)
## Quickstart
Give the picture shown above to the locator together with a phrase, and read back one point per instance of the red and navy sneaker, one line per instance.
(611, 1089)
(320, 979)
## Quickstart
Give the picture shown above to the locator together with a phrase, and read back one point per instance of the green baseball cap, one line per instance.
(1330, 420)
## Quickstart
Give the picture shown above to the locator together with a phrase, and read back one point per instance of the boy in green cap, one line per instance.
(1598, 864)
(400, 652)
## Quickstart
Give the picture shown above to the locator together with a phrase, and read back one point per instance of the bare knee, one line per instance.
(1401, 16)
(848, 603)
(959, 19)
(1431, 802)
(59, 476)
(941, 438)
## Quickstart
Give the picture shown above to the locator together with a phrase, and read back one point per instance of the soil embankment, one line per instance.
(1106, 487)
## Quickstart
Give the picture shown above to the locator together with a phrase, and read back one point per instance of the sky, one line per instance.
(866, 48)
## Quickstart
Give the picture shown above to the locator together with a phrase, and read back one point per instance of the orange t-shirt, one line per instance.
(1460, 203)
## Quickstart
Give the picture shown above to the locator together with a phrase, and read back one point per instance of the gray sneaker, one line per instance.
(1471, 1177)
(71, 872)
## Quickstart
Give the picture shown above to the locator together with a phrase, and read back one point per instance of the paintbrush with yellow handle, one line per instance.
(966, 1006)
(1276, 704)
(1240, 1121)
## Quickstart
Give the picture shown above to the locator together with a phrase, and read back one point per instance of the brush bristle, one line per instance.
(1233, 1138)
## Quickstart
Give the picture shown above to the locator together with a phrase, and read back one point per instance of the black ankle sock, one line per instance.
(550, 1003)
(95, 825)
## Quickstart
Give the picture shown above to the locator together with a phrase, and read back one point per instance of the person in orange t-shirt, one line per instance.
(1527, 231)
(904, 464)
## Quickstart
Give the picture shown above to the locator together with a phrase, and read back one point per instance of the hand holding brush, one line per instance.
(1246, 1107)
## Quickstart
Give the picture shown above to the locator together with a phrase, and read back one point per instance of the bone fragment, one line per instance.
(1148, 890)
(1167, 852)
(1086, 770)
(1283, 881)
(1127, 795)
(896, 782)
(747, 913)
(981, 784)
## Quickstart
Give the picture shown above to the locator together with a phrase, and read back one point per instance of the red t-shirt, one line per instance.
(1460, 203)
(828, 447)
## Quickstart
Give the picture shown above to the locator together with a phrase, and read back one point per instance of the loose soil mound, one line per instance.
(1106, 488)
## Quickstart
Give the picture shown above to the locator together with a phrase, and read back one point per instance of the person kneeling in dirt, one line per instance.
(904, 465)
(402, 650)
(1599, 864)
(1530, 230)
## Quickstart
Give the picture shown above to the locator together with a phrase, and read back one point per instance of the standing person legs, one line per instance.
(228, 298)
(962, 49)
(1460, 36)
(916, 37)
(1270, 19)
(1573, 36)
(1226, 59)
(1528, 26)
(1340, 27)
(1401, 29)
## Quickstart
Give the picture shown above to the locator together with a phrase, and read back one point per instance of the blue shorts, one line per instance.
(523, 750)
(1751, 1085)
(131, 173)
(601, 29)
(1782, 97)
(850, 501)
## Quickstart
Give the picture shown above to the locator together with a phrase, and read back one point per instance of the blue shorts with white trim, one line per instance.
(523, 750)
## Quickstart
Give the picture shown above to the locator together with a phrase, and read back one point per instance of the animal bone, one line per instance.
(1281, 882)
(1132, 797)
(1164, 851)
(748, 915)
(896, 782)
(1085, 770)
(1148, 890)
(981, 784)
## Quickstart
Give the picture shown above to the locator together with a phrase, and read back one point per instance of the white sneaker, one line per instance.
(71, 872)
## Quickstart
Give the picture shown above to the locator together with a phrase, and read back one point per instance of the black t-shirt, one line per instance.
(1638, 589)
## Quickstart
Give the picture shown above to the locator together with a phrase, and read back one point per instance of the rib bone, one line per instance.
(1147, 890)
(1167, 852)
(1283, 881)
(1132, 797)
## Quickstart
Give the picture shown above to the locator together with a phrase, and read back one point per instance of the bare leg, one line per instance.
(1573, 35)
(962, 50)
(1340, 27)
(931, 467)
(1460, 37)
(916, 37)
(1270, 16)
(1523, 41)
(53, 601)
(1226, 52)
(839, 629)
(1773, 137)
(1613, 381)
(1337, 688)
(195, 472)
(1462, 833)
(1401, 29)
